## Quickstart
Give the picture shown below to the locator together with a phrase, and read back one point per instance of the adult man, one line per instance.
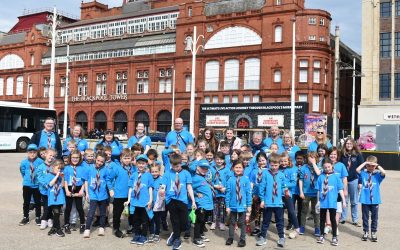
(273, 138)
(47, 137)
(178, 136)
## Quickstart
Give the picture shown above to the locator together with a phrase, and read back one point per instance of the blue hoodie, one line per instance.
(201, 186)
(27, 176)
(231, 200)
(119, 177)
(98, 192)
(267, 187)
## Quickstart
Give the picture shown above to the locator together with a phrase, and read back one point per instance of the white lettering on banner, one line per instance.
(99, 98)
(391, 116)
(270, 120)
(217, 120)
(249, 108)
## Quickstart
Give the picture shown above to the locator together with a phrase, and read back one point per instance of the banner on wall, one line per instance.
(270, 120)
(217, 120)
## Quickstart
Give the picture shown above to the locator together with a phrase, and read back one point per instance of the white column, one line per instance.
(335, 129)
(173, 99)
(293, 94)
(193, 83)
(353, 106)
(53, 55)
(66, 96)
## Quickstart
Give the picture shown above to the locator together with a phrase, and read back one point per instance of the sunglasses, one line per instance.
(320, 133)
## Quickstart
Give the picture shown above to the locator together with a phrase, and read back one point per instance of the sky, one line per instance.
(345, 13)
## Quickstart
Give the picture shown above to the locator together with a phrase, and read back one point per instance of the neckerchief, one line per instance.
(73, 179)
(259, 175)
(325, 188)
(274, 186)
(49, 134)
(177, 183)
(238, 193)
(32, 168)
(217, 177)
(57, 188)
(128, 169)
(98, 181)
(137, 186)
(369, 185)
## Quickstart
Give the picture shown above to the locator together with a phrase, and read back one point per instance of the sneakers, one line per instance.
(356, 224)
(52, 231)
(255, 232)
(342, 222)
(321, 240)
(281, 242)
(289, 227)
(86, 234)
(50, 223)
(317, 231)
(198, 243)
(43, 225)
(101, 231)
(170, 239)
(130, 230)
(135, 239)
(177, 244)
(334, 241)
(261, 241)
(60, 233)
(302, 230)
(141, 240)
(24, 221)
(327, 229)
(186, 235)
(222, 227)
(365, 236)
(241, 243)
(118, 234)
(82, 229)
(229, 241)
(38, 221)
(67, 229)
(204, 238)
(293, 234)
(374, 238)
(156, 238)
(213, 225)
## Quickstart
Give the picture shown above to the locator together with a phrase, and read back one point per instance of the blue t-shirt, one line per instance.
(81, 144)
(314, 145)
(156, 187)
(309, 178)
(290, 178)
(55, 193)
(143, 196)
(267, 189)
(116, 148)
(40, 175)
(201, 186)
(81, 174)
(335, 184)
(340, 170)
(119, 178)
(268, 141)
(28, 174)
(256, 178)
(165, 157)
(291, 150)
(231, 198)
(171, 191)
(220, 177)
(180, 139)
(296, 172)
(370, 196)
(97, 184)
(44, 139)
(143, 140)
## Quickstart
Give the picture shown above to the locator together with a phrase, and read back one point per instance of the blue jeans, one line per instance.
(373, 209)
(291, 213)
(352, 196)
(267, 215)
(92, 210)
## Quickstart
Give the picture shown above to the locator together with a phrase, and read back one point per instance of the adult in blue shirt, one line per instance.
(273, 138)
(47, 137)
(77, 136)
(289, 146)
(179, 136)
(110, 140)
(320, 138)
(140, 137)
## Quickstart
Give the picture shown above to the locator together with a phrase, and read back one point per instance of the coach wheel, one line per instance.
(22, 144)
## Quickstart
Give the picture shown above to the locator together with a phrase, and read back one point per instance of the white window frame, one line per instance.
(303, 71)
(315, 103)
(317, 71)
(312, 21)
(277, 76)
(235, 99)
(246, 99)
(215, 99)
(207, 99)
(252, 73)
(10, 86)
(303, 98)
(1, 86)
(19, 90)
(211, 76)
(226, 99)
(188, 83)
(256, 98)
(278, 34)
(231, 74)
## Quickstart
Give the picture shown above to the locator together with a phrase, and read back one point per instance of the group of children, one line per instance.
(227, 188)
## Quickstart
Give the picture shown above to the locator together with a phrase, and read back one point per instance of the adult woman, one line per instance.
(320, 138)
(110, 140)
(290, 146)
(140, 137)
(77, 135)
(209, 137)
(233, 141)
(351, 158)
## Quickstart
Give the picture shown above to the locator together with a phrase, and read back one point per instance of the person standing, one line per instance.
(47, 137)
(140, 137)
(273, 138)
(320, 138)
(77, 136)
(178, 136)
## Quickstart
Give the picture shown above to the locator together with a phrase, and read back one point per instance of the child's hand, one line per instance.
(222, 190)
(80, 194)
(126, 203)
(149, 204)
(200, 195)
(262, 205)
(312, 160)
(344, 204)
(68, 193)
(302, 196)
(287, 194)
(228, 210)
(111, 193)
(249, 210)
(194, 206)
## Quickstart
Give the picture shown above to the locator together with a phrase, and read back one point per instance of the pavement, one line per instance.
(13, 236)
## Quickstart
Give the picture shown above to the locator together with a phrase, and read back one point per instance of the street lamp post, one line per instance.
(173, 98)
(191, 44)
(53, 25)
(66, 96)
(293, 95)
(28, 89)
(336, 90)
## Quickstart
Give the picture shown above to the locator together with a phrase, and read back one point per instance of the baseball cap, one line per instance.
(32, 147)
(109, 131)
(203, 164)
(142, 157)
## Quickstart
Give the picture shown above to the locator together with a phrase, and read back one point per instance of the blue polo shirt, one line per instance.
(170, 188)
(182, 138)
(335, 184)
(146, 182)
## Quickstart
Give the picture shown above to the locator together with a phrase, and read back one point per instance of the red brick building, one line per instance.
(123, 60)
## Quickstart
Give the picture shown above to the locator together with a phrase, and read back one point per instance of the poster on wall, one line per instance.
(270, 120)
(313, 122)
(217, 120)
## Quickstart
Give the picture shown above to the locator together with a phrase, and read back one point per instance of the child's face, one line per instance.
(198, 155)
(43, 154)
(321, 152)
(66, 160)
(262, 162)
(56, 169)
(333, 156)
(151, 157)
(238, 169)
(50, 155)
(202, 146)
(274, 166)
(185, 159)
(71, 147)
(126, 160)
(75, 158)
(100, 161)
(370, 168)
(108, 155)
(141, 165)
(246, 162)
(219, 161)
(89, 157)
(202, 171)
(225, 150)
(274, 148)
(234, 156)
(284, 162)
(136, 152)
(190, 150)
(32, 155)
(328, 167)
(209, 157)
(299, 161)
(177, 167)
(155, 172)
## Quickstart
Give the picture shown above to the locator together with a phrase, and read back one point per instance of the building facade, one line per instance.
(125, 62)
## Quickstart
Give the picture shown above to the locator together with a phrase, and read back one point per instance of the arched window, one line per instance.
(120, 122)
(164, 119)
(252, 73)
(61, 122)
(212, 75)
(81, 119)
(235, 36)
(185, 115)
(11, 61)
(143, 117)
(100, 120)
(231, 81)
(277, 75)
(278, 34)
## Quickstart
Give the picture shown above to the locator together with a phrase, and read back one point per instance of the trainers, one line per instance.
(24, 221)
(229, 241)
(293, 234)
(118, 234)
(281, 242)
(327, 229)
(101, 231)
(38, 221)
(52, 231)
(255, 232)
(86, 234)
(204, 238)
(357, 224)
(135, 239)
(177, 244)
(170, 239)
(43, 225)
(342, 222)
(374, 238)
(302, 230)
(321, 240)
(186, 235)
(213, 225)
(130, 230)
(60, 233)
(241, 243)
(289, 227)
(142, 240)
(365, 236)
(82, 229)
(73, 227)
(198, 243)
(334, 241)
(50, 223)
(222, 227)
(261, 241)
(156, 238)
(67, 229)
(317, 231)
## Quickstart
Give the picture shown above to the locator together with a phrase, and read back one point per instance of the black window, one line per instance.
(384, 86)
(397, 8)
(397, 86)
(385, 44)
(397, 44)
(386, 9)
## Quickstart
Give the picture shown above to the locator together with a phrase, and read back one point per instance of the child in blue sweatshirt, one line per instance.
(177, 187)
(140, 198)
(88, 158)
(220, 177)
(56, 196)
(96, 183)
(272, 188)
(329, 185)
(155, 223)
(74, 186)
(204, 201)
(30, 185)
(238, 203)
(370, 196)
(166, 153)
(119, 178)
